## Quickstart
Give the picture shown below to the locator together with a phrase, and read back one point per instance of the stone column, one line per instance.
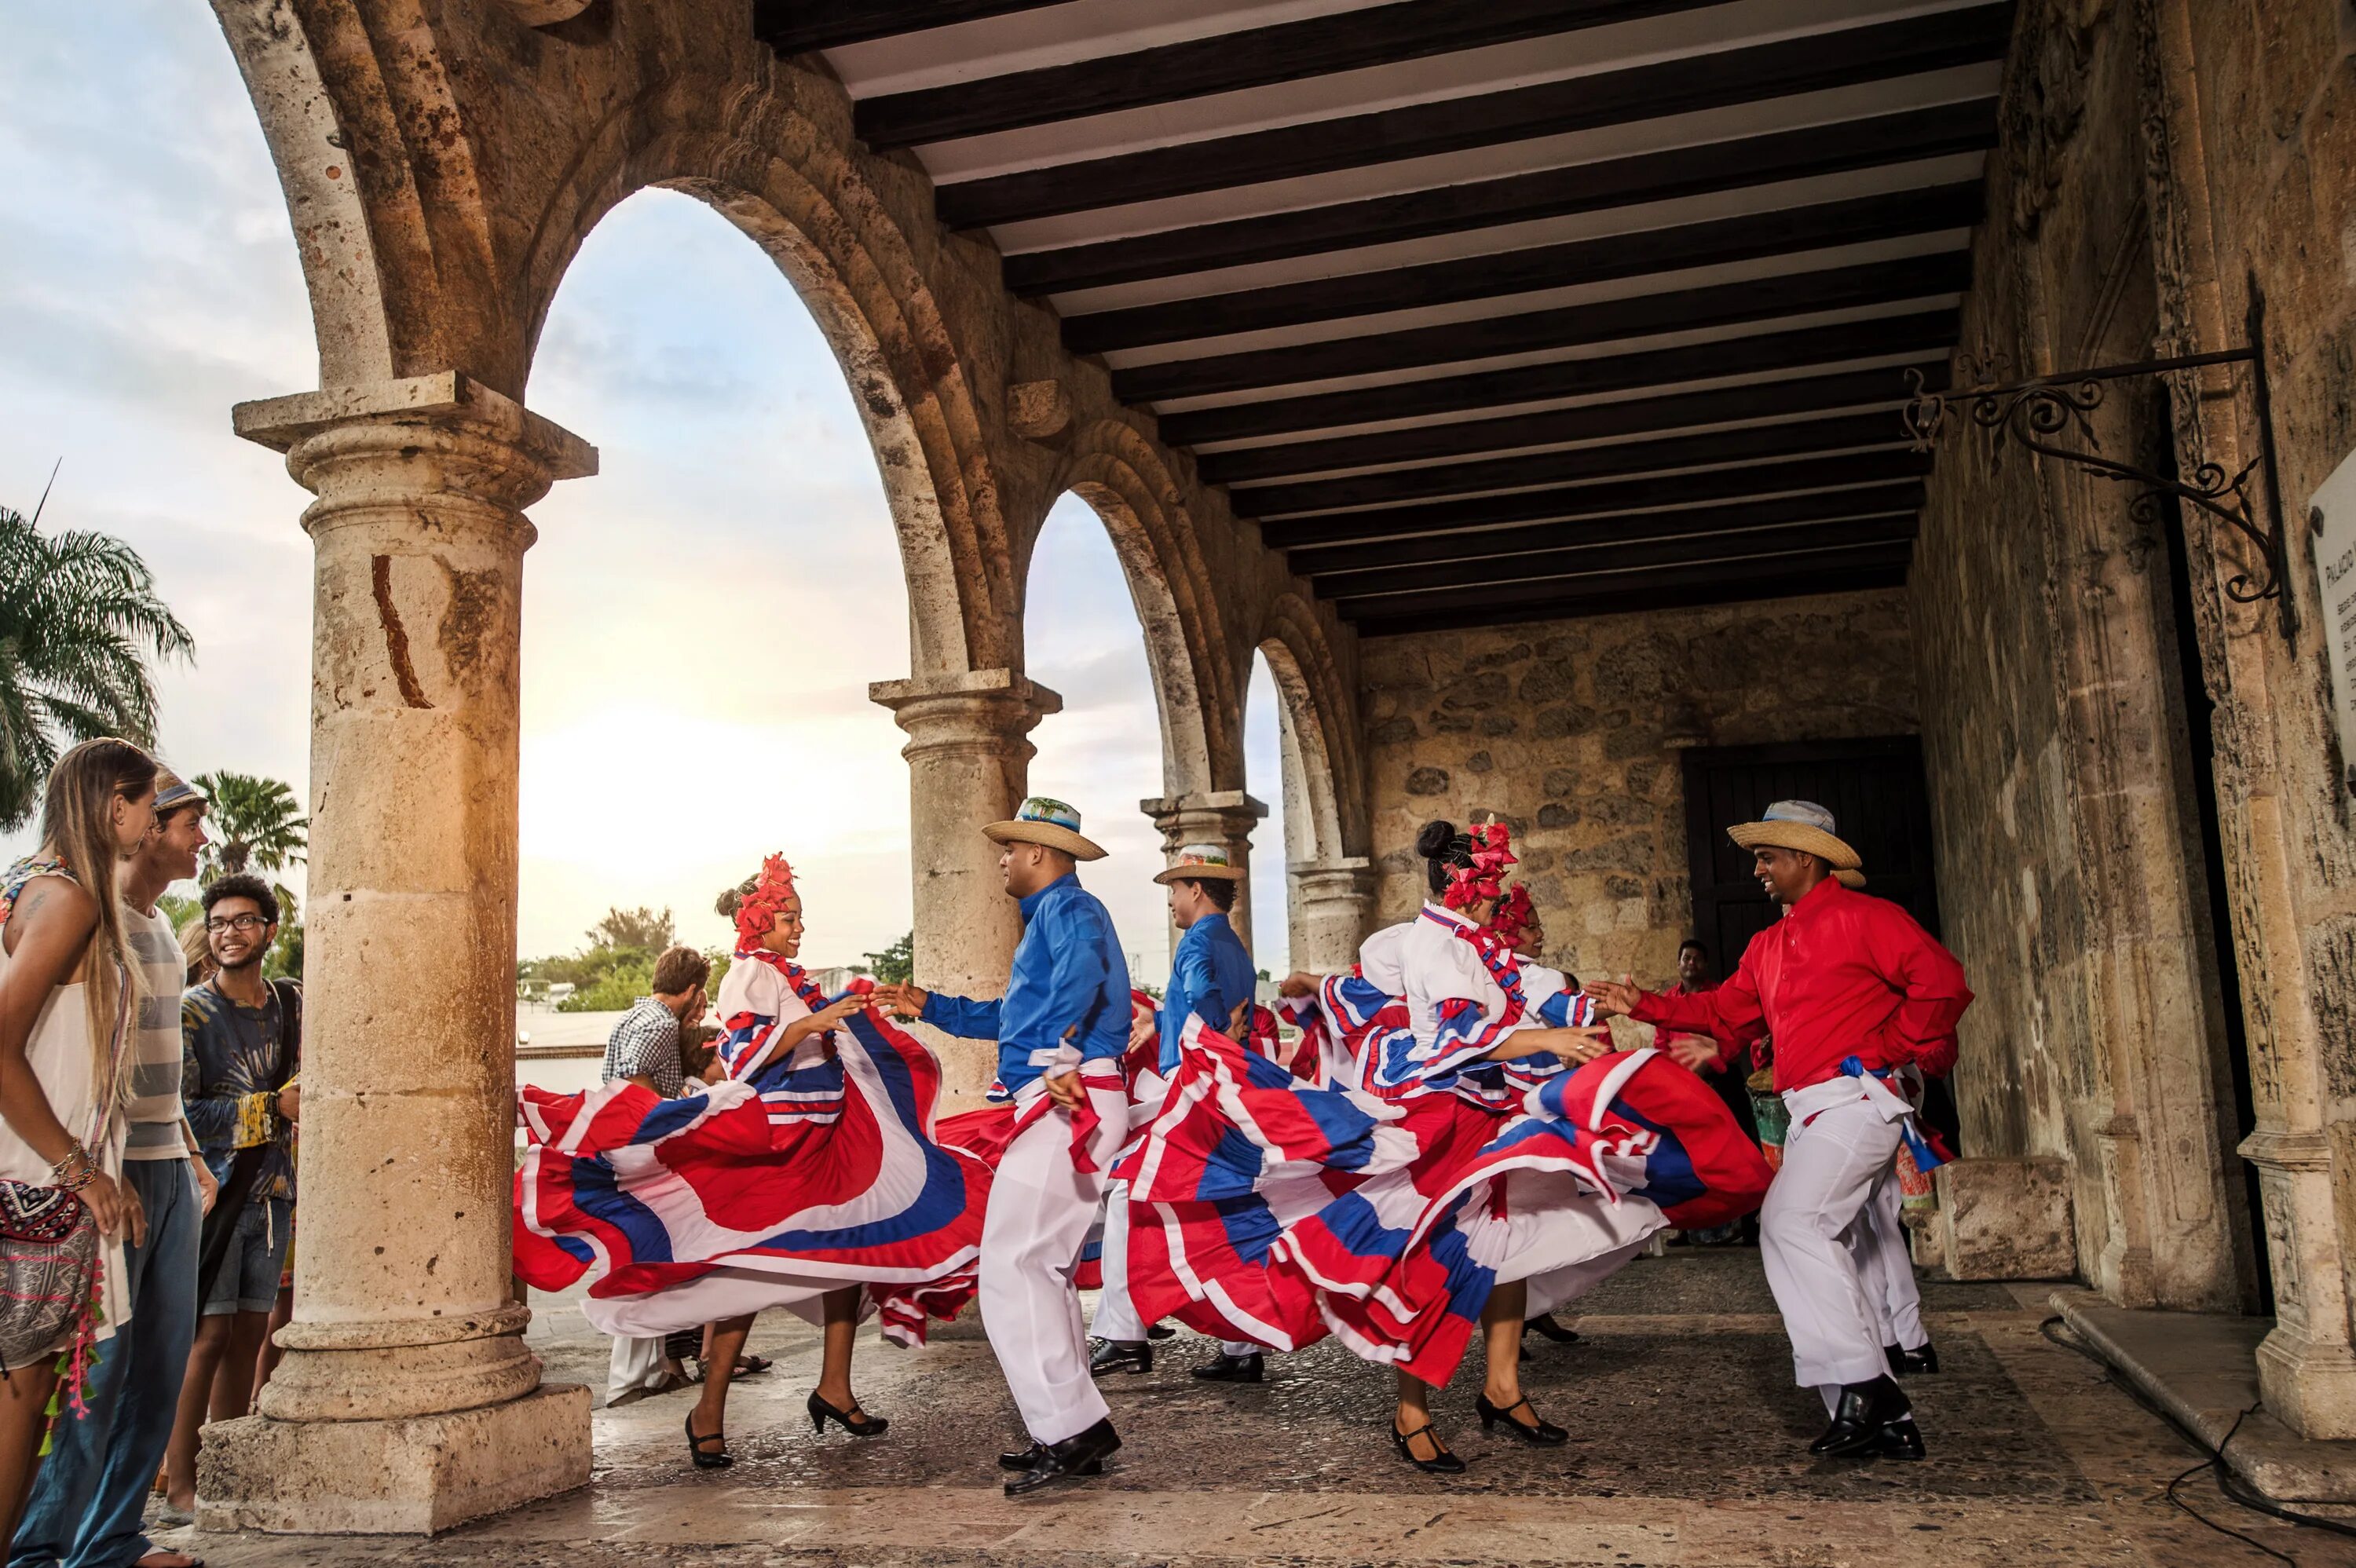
(1225, 818)
(969, 758)
(407, 1400)
(1333, 906)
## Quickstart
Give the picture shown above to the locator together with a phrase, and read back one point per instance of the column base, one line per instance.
(2310, 1386)
(415, 1476)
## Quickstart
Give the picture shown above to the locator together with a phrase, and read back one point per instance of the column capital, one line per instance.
(1226, 808)
(1352, 877)
(979, 688)
(446, 398)
(976, 711)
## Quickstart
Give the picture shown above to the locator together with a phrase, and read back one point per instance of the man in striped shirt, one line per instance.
(86, 1503)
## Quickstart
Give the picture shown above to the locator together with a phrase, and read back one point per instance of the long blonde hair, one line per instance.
(77, 827)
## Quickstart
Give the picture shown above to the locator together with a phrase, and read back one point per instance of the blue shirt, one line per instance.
(1069, 978)
(1209, 974)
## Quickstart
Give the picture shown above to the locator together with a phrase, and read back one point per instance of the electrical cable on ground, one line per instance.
(2214, 1458)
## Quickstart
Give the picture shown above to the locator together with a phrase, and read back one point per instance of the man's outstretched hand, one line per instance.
(904, 1000)
(1614, 998)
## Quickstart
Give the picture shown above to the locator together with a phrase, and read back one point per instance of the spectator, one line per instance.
(86, 1507)
(1727, 1072)
(241, 1036)
(647, 1048)
(61, 1072)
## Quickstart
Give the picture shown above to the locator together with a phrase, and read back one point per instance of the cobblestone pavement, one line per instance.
(1689, 1447)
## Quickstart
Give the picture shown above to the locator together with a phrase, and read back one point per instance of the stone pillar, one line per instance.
(407, 1400)
(1225, 818)
(969, 757)
(1332, 905)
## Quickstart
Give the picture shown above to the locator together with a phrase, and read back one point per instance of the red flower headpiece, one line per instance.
(757, 913)
(1484, 879)
(1514, 918)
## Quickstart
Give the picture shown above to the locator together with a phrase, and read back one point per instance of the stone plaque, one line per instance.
(2334, 516)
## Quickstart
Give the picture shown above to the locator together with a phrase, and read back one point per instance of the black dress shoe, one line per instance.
(1082, 1455)
(1161, 1331)
(1226, 1368)
(1905, 1363)
(1899, 1439)
(1858, 1422)
(1121, 1355)
(856, 1422)
(1442, 1463)
(1545, 1433)
(1022, 1458)
(1546, 1325)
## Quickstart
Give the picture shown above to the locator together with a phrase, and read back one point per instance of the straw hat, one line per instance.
(1201, 863)
(1806, 828)
(1043, 820)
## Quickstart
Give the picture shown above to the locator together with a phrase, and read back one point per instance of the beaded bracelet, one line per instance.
(90, 1165)
(79, 1182)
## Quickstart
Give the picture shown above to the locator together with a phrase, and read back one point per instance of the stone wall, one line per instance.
(1570, 730)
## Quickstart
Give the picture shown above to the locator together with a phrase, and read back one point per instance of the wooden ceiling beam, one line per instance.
(1229, 62)
(1589, 421)
(1745, 74)
(1904, 499)
(1567, 326)
(1639, 593)
(1629, 587)
(1650, 493)
(1873, 141)
(1604, 258)
(1608, 460)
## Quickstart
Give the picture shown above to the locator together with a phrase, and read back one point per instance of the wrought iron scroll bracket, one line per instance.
(2048, 415)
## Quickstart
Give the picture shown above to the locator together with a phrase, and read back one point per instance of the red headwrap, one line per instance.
(1514, 918)
(1469, 885)
(757, 913)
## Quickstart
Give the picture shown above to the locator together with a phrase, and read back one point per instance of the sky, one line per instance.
(150, 281)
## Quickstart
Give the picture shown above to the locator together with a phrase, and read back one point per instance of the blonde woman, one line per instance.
(67, 985)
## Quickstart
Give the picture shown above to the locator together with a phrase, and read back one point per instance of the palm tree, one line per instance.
(79, 617)
(258, 823)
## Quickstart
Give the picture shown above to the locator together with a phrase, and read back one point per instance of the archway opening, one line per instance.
(703, 618)
(1272, 777)
(1103, 752)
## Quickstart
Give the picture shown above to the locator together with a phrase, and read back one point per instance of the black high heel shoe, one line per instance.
(1442, 1462)
(715, 1460)
(1545, 1434)
(866, 1425)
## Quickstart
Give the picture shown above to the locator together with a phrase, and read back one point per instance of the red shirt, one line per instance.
(1840, 974)
(1666, 1037)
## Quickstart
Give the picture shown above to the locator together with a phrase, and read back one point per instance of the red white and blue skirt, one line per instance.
(1264, 1208)
(684, 1211)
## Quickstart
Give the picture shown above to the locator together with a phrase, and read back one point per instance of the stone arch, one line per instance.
(1319, 716)
(1121, 477)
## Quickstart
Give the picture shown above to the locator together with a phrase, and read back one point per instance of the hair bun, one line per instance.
(1436, 840)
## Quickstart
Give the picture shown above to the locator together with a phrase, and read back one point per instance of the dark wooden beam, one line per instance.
(1654, 491)
(1227, 62)
(1633, 582)
(1739, 75)
(1567, 326)
(1604, 258)
(1641, 594)
(1590, 422)
(1872, 501)
(1752, 443)
(1620, 555)
(1875, 142)
(792, 27)
(1756, 354)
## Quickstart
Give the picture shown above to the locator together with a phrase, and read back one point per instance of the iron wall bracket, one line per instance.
(2042, 413)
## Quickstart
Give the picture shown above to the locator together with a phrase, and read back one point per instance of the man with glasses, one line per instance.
(239, 1034)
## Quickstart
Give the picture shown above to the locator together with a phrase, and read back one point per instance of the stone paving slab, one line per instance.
(1689, 1449)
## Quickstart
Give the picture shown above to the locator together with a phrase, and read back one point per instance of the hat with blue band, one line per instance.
(1806, 828)
(1043, 819)
(1200, 863)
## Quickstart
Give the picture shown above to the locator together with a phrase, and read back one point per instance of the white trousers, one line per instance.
(1833, 1169)
(1040, 1210)
(1116, 1318)
(1877, 1242)
(637, 1364)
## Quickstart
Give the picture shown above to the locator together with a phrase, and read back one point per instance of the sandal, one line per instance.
(712, 1460)
(752, 1366)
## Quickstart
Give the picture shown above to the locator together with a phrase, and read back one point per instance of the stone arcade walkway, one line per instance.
(1687, 1448)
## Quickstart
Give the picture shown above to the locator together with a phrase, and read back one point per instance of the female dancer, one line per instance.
(809, 1172)
(66, 988)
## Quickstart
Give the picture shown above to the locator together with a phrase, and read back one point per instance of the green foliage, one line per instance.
(617, 966)
(79, 617)
(640, 927)
(178, 911)
(256, 825)
(897, 964)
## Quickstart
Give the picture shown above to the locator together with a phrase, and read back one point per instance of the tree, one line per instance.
(640, 928)
(257, 823)
(897, 964)
(79, 617)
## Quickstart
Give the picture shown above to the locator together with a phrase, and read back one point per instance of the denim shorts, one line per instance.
(248, 1281)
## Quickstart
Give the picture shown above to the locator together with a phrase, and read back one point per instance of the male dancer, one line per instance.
(1854, 992)
(1210, 978)
(1061, 1029)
